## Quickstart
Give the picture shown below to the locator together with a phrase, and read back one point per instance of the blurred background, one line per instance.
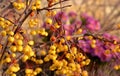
(106, 11)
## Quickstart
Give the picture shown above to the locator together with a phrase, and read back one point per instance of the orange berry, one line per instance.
(53, 38)
(32, 14)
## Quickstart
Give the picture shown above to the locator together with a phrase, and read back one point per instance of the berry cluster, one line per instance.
(19, 5)
(36, 5)
(58, 44)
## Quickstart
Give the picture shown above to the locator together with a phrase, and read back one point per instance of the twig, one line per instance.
(58, 7)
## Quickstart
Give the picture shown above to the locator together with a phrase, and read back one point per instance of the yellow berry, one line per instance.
(107, 52)
(13, 55)
(33, 32)
(118, 50)
(13, 48)
(3, 33)
(83, 57)
(53, 47)
(33, 8)
(38, 70)
(19, 48)
(87, 61)
(52, 52)
(53, 13)
(68, 55)
(116, 67)
(8, 60)
(115, 42)
(62, 40)
(56, 25)
(68, 37)
(38, 2)
(52, 68)
(46, 34)
(25, 58)
(8, 22)
(19, 42)
(93, 45)
(93, 41)
(33, 59)
(15, 4)
(30, 53)
(34, 73)
(54, 57)
(63, 71)
(2, 24)
(49, 21)
(40, 61)
(81, 37)
(2, 19)
(83, 63)
(11, 39)
(74, 50)
(84, 73)
(65, 48)
(42, 52)
(13, 69)
(17, 36)
(38, 6)
(31, 42)
(11, 33)
(13, 74)
(90, 37)
(28, 71)
(22, 5)
(46, 59)
(26, 48)
(79, 31)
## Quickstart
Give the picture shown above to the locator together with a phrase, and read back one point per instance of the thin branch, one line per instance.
(8, 20)
(58, 7)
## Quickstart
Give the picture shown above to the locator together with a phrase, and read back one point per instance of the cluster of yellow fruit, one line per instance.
(19, 5)
(13, 69)
(18, 46)
(116, 49)
(31, 72)
(66, 60)
(93, 43)
(79, 31)
(33, 22)
(50, 13)
(28, 53)
(35, 31)
(4, 24)
(36, 5)
(42, 32)
(49, 21)
(117, 67)
(69, 63)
